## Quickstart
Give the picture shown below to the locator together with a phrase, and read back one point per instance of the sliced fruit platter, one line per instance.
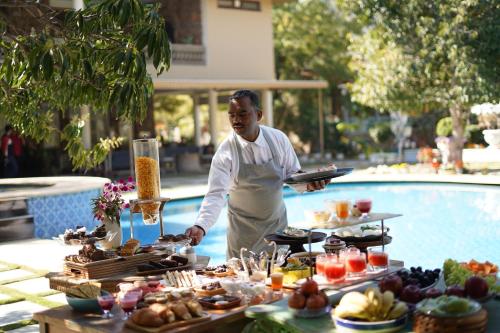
(372, 310)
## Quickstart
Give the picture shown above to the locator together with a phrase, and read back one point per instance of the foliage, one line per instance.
(444, 127)
(381, 133)
(95, 56)
(109, 205)
(449, 49)
(310, 43)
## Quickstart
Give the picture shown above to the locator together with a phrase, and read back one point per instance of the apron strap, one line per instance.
(238, 149)
(274, 152)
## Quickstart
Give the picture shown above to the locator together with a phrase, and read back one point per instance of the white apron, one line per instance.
(255, 205)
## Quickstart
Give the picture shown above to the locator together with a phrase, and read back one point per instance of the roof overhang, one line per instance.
(196, 84)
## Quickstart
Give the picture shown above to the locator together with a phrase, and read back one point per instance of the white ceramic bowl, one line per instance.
(386, 326)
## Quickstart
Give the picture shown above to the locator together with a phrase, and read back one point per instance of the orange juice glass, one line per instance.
(276, 281)
(342, 209)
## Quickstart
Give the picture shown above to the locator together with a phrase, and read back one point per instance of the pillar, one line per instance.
(197, 124)
(267, 107)
(212, 110)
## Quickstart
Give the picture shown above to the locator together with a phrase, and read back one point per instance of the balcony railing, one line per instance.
(188, 54)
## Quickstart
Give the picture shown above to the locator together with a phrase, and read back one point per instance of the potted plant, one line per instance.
(489, 118)
(108, 207)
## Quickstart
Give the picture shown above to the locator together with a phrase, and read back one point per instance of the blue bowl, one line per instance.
(86, 305)
(386, 326)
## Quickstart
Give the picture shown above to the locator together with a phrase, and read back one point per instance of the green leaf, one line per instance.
(142, 38)
(151, 42)
(48, 65)
(125, 14)
(88, 68)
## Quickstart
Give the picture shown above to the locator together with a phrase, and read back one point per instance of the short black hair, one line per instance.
(254, 99)
(8, 128)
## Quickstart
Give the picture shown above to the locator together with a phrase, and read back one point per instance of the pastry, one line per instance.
(168, 263)
(147, 317)
(130, 247)
(181, 261)
(181, 311)
(194, 308)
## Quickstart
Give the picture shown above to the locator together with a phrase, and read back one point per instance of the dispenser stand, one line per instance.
(135, 208)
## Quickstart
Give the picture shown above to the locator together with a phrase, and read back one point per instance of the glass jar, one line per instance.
(147, 176)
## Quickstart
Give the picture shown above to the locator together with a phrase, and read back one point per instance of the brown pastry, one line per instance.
(130, 247)
(168, 316)
(147, 317)
(181, 311)
(195, 308)
(168, 263)
(180, 260)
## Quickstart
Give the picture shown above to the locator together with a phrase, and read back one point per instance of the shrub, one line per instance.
(444, 127)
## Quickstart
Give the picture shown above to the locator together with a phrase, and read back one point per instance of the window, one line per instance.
(239, 4)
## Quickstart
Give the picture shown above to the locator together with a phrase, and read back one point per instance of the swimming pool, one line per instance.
(439, 220)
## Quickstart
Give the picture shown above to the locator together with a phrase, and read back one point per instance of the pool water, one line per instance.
(439, 220)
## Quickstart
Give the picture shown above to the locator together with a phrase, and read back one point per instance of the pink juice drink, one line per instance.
(106, 303)
(128, 303)
(364, 205)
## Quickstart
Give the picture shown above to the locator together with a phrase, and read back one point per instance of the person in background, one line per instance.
(251, 165)
(11, 151)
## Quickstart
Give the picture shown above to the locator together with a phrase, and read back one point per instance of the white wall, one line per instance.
(239, 45)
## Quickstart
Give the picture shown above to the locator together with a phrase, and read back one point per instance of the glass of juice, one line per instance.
(378, 259)
(342, 210)
(277, 281)
(335, 269)
(106, 303)
(128, 303)
(320, 264)
(364, 206)
(355, 264)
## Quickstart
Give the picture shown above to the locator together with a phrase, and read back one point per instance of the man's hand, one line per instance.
(196, 233)
(318, 185)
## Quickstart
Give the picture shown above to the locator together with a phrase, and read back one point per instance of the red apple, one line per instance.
(297, 301)
(455, 290)
(393, 283)
(315, 302)
(433, 293)
(309, 287)
(476, 287)
(411, 294)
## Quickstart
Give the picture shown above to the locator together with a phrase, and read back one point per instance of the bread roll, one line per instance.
(147, 317)
(194, 308)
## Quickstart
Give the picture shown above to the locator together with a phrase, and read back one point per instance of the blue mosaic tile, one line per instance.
(54, 214)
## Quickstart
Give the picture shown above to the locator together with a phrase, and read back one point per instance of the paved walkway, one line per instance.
(23, 264)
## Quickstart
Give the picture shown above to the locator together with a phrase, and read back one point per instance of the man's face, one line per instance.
(244, 117)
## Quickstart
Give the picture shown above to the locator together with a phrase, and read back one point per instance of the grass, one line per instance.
(16, 325)
(18, 296)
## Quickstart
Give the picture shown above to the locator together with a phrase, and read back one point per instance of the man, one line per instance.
(250, 165)
(11, 146)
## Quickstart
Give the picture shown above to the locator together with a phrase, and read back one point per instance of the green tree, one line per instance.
(56, 62)
(450, 50)
(310, 42)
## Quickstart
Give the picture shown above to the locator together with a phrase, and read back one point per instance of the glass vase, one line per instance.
(147, 176)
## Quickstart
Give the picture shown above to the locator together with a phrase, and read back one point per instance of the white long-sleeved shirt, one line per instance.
(225, 166)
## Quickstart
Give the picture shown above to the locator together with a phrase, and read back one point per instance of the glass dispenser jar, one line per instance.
(147, 175)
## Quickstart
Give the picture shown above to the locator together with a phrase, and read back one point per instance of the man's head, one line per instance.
(244, 114)
(8, 129)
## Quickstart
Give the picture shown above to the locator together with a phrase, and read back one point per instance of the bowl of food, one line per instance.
(83, 298)
(371, 311)
(384, 326)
